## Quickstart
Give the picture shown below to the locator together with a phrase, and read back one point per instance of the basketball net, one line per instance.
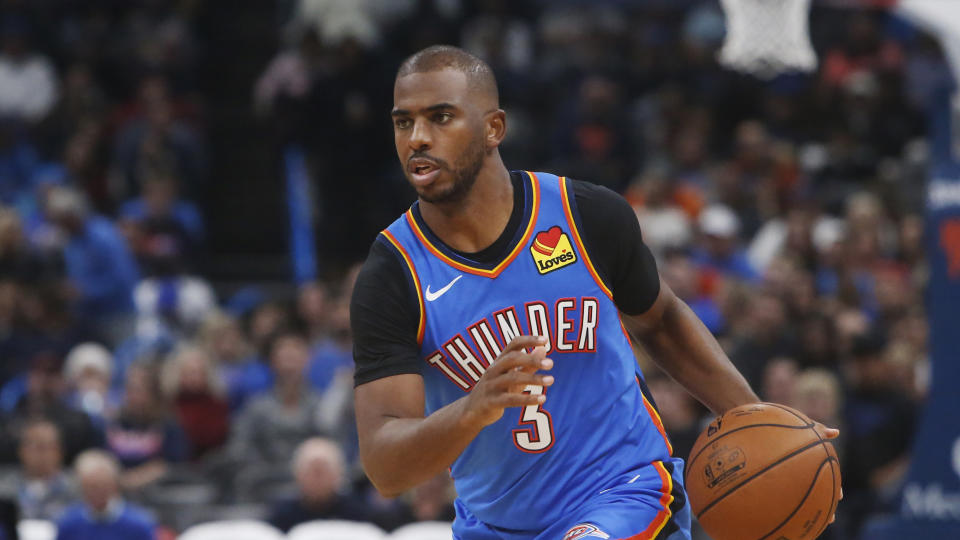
(767, 37)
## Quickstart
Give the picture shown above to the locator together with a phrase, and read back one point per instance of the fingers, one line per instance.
(520, 400)
(524, 342)
(521, 360)
(831, 433)
(522, 379)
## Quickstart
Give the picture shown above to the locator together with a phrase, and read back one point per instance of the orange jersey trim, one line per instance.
(655, 416)
(421, 327)
(666, 499)
(503, 264)
(576, 237)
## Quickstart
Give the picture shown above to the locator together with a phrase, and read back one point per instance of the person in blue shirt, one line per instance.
(98, 262)
(103, 514)
(720, 250)
(460, 302)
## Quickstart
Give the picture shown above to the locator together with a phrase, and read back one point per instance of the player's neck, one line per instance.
(476, 222)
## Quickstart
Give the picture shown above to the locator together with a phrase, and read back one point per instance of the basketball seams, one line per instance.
(806, 495)
(833, 493)
(757, 473)
(734, 430)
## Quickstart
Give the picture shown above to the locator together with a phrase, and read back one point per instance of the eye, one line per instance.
(443, 118)
(401, 123)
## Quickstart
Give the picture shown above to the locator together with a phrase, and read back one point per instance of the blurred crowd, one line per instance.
(787, 213)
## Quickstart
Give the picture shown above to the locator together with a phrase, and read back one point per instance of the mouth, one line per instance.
(423, 171)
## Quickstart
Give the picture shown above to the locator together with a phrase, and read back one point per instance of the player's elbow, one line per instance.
(388, 483)
(386, 486)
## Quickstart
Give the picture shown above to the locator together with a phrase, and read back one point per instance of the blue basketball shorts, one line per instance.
(633, 508)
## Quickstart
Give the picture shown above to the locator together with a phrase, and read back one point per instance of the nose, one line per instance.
(419, 136)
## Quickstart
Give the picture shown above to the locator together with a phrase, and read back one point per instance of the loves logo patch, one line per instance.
(551, 250)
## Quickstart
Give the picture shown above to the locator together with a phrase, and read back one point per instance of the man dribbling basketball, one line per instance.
(463, 298)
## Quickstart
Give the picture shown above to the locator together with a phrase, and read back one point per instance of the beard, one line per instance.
(464, 173)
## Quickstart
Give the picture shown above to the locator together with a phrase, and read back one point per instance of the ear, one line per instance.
(496, 128)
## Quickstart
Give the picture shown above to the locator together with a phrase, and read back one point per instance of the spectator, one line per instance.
(235, 361)
(159, 207)
(88, 372)
(779, 381)
(43, 488)
(272, 425)
(156, 143)
(720, 250)
(333, 355)
(103, 514)
(191, 385)
(44, 399)
(19, 161)
(880, 422)
(320, 473)
(28, 82)
(144, 437)
(98, 263)
(313, 311)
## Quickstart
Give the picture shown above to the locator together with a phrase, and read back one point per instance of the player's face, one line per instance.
(438, 131)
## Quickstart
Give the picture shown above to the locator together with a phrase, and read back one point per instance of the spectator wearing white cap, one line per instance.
(88, 371)
(720, 248)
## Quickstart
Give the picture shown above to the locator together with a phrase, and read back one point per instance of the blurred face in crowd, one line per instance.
(227, 341)
(140, 395)
(681, 276)
(439, 126)
(265, 321)
(289, 357)
(818, 396)
(92, 379)
(159, 194)
(767, 315)
(41, 453)
(318, 470)
(98, 485)
(44, 381)
(193, 372)
(312, 304)
(779, 379)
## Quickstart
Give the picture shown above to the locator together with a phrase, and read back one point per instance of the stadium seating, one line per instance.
(36, 529)
(425, 530)
(232, 530)
(336, 530)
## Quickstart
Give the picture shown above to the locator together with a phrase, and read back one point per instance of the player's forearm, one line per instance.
(404, 452)
(689, 353)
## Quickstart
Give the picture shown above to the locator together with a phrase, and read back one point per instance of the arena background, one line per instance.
(185, 182)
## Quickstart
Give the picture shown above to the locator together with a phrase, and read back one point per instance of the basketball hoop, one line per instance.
(767, 37)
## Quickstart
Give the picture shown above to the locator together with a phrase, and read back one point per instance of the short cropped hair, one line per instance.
(441, 57)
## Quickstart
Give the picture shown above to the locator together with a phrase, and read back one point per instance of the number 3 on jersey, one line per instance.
(538, 435)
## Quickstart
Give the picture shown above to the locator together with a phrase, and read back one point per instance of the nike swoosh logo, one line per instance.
(431, 296)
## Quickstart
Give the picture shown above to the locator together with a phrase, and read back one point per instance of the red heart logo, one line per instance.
(547, 241)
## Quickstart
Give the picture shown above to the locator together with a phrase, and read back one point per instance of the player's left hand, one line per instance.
(829, 433)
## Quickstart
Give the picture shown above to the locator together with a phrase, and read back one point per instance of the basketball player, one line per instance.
(488, 337)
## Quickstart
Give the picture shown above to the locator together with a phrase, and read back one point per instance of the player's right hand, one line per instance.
(502, 385)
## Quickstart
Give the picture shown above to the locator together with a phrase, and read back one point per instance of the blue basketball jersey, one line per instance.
(537, 464)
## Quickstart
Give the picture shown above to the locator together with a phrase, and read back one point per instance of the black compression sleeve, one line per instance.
(384, 316)
(612, 237)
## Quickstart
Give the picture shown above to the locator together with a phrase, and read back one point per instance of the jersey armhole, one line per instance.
(414, 280)
(573, 220)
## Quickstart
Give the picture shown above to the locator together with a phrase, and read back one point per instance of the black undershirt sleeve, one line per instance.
(385, 312)
(611, 235)
(384, 316)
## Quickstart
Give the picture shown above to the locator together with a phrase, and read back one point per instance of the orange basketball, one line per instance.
(763, 471)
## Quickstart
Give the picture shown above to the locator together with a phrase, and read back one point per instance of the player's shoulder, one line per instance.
(599, 204)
